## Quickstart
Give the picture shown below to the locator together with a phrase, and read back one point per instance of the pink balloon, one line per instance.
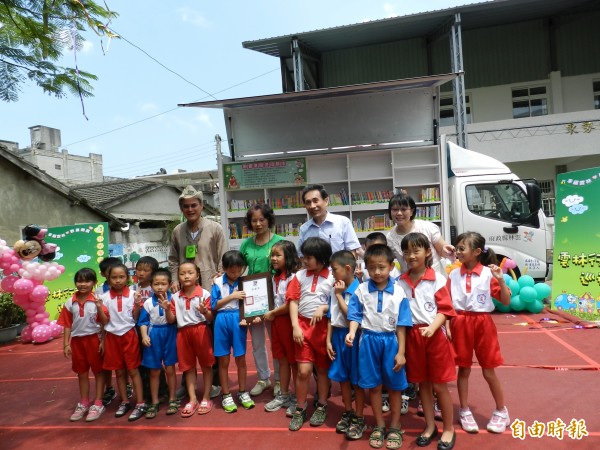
(8, 283)
(26, 334)
(40, 309)
(46, 321)
(39, 293)
(14, 268)
(39, 317)
(41, 334)
(33, 324)
(55, 329)
(21, 300)
(22, 286)
(30, 312)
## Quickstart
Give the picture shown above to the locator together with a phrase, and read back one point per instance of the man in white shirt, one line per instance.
(335, 229)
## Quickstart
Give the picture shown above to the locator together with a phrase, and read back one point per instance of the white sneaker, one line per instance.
(260, 387)
(94, 413)
(276, 389)
(79, 412)
(404, 408)
(467, 421)
(499, 421)
(281, 401)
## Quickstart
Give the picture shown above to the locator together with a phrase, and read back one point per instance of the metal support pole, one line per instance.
(458, 84)
(298, 67)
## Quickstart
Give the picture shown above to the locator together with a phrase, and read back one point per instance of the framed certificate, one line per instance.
(259, 295)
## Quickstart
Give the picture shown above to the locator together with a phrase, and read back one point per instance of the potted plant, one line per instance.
(10, 314)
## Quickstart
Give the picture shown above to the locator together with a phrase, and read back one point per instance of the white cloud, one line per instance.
(87, 47)
(149, 108)
(204, 119)
(192, 16)
(571, 200)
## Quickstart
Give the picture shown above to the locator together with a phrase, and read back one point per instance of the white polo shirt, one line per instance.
(120, 311)
(186, 308)
(280, 284)
(310, 290)
(380, 311)
(82, 319)
(473, 290)
(427, 296)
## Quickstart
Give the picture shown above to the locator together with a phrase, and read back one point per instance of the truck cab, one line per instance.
(485, 196)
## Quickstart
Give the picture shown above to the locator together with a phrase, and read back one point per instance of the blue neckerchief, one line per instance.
(161, 312)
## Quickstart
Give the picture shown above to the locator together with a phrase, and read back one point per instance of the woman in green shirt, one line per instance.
(257, 253)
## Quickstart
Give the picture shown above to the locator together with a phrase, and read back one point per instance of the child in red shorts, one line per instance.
(429, 358)
(285, 263)
(121, 343)
(308, 295)
(82, 342)
(472, 287)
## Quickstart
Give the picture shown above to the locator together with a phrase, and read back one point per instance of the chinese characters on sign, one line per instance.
(261, 174)
(576, 429)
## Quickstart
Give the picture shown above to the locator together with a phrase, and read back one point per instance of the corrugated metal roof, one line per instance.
(478, 15)
(110, 193)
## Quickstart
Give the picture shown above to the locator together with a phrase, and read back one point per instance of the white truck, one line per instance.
(364, 143)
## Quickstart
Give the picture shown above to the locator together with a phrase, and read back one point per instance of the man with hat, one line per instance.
(197, 240)
(201, 241)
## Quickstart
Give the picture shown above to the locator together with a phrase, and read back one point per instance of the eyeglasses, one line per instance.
(402, 210)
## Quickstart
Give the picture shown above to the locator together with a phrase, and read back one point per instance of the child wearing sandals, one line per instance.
(159, 340)
(191, 307)
(344, 359)
(472, 287)
(121, 342)
(307, 296)
(82, 343)
(285, 263)
(230, 332)
(381, 308)
(429, 357)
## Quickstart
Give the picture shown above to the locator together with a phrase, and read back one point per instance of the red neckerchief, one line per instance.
(89, 298)
(188, 300)
(477, 270)
(323, 273)
(124, 293)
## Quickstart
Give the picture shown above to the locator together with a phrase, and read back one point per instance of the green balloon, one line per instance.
(535, 307)
(516, 304)
(514, 287)
(528, 294)
(526, 280)
(503, 308)
(543, 290)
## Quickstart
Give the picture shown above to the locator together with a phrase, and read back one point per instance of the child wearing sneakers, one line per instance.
(381, 308)
(109, 391)
(82, 340)
(344, 359)
(285, 263)
(121, 342)
(472, 287)
(192, 309)
(159, 340)
(429, 358)
(230, 332)
(307, 295)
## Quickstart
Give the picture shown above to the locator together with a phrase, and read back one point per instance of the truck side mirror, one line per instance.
(534, 196)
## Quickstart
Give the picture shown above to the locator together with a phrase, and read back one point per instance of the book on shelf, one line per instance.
(340, 199)
(371, 197)
(423, 195)
(431, 212)
(288, 229)
(286, 201)
(379, 222)
(242, 205)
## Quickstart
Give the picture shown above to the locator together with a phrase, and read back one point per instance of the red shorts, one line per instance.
(282, 339)
(85, 354)
(429, 359)
(194, 341)
(314, 347)
(122, 352)
(475, 332)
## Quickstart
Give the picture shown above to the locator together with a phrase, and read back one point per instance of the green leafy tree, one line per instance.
(36, 34)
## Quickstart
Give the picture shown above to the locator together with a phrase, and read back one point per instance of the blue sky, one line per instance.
(202, 42)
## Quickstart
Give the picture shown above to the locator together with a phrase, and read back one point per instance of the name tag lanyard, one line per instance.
(191, 250)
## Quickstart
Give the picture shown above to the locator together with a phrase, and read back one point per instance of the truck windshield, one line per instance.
(505, 202)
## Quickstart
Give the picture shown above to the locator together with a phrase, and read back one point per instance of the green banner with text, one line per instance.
(576, 277)
(263, 174)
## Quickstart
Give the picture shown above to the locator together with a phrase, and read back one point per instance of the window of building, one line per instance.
(447, 110)
(597, 94)
(530, 102)
(57, 166)
(548, 197)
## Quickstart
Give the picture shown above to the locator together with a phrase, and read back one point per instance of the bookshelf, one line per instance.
(359, 185)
